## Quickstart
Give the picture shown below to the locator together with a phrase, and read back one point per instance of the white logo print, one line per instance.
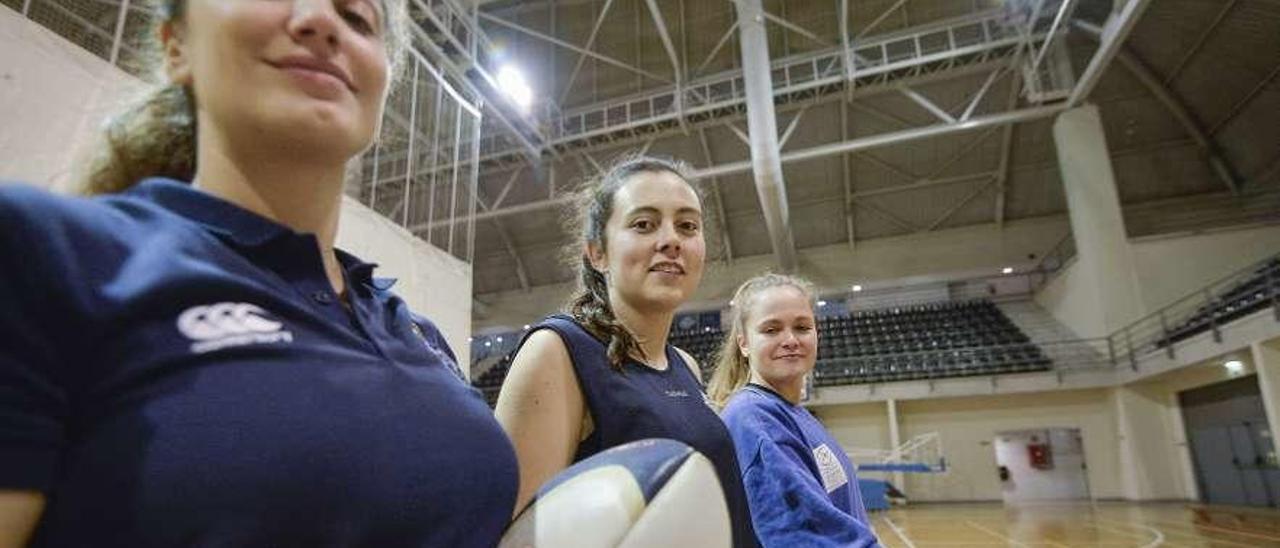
(833, 476)
(224, 325)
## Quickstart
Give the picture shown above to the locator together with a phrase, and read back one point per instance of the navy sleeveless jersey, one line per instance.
(642, 402)
(176, 371)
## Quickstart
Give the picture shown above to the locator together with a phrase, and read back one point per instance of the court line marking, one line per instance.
(898, 531)
(1191, 536)
(1158, 536)
(1212, 528)
(1008, 540)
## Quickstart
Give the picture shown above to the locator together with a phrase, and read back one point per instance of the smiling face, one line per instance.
(779, 336)
(653, 250)
(307, 73)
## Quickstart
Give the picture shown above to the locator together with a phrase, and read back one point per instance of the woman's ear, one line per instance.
(177, 61)
(742, 345)
(597, 257)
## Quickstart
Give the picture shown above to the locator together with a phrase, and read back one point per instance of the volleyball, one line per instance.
(654, 492)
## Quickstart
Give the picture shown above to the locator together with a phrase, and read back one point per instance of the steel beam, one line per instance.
(1136, 66)
(977, 191)
(542, 36)
(1006, 150)
(511, 181)
(521, 273)
(885, 15)
(1195, 48)
(923, 184)
(1112, 37)
(795, 28)
(591, 42)
(719, 45)
(762, 122)
(791, 127)
(723, 220)
(1244, 102)
(910, 226)
(676, 70)
(854, 145)
(875, 141)
(846, 171)
(982, 92)
(927, 104)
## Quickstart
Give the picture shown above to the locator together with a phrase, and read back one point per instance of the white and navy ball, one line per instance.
(655, 492)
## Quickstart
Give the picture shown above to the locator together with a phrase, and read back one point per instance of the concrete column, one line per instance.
(1266, 361)
(766, 161)
(1182, 449)
(1148, 460)
(1102, 245)
(895, 439)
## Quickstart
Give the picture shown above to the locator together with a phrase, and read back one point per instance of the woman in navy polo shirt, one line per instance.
(187, 360)
(603, 374)
(801, 485)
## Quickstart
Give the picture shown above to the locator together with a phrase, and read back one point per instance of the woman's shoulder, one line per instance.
(752, 413)
(27, 211)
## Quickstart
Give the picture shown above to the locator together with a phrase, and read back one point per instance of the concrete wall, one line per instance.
(1170, 267)
(968, 427)
(53, 97)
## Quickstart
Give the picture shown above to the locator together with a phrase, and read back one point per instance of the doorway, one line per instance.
(1231, 446)
(1041, 465)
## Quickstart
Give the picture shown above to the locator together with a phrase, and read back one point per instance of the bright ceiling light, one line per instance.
(526, 327)
(1007, 270)
(822, 303)
(511, 81)
(1234, 367)
(857, 288)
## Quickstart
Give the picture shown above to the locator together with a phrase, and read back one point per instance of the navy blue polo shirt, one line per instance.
(175, 370)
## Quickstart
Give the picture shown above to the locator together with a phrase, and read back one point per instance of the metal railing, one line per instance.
(1206, 310)
(110, 30)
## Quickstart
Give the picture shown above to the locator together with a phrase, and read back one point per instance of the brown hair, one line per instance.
(732, 368)
(156, 135)
(590, 304)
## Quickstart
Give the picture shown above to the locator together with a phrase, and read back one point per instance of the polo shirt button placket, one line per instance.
(322, 297)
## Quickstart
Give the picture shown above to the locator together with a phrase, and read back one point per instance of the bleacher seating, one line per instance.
(1256, 292)
(490, 382)
(922, 342)
(702, 343)
(899, 344)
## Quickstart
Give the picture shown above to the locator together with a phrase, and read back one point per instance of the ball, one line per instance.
(655, 492)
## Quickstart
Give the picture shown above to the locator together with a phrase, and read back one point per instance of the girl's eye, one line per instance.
(689, 226)
(358, 22)
(642, 224)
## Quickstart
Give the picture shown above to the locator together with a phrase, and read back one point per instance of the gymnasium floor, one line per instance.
(1176, 525)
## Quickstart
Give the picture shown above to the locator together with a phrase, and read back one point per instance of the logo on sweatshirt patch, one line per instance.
(833, 476)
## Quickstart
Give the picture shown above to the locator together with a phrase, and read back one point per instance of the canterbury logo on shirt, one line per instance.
(225, 325)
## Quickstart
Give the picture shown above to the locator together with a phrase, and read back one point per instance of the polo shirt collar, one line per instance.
(239, 226)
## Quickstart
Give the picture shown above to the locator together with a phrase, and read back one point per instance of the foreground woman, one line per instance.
(187, 360)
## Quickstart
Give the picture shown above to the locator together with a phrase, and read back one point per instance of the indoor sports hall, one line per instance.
(1044, 234)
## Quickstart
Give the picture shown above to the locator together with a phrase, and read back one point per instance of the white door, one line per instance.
(1060, 474)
